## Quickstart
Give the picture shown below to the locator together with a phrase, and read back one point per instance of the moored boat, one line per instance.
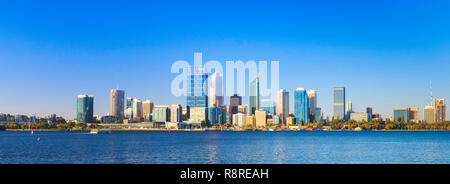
(97, 131)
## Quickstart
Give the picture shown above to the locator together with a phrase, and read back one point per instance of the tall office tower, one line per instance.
(439, 110)
(283, 104)
(117, 104)
(176, 113)
(312, 95)
(369, 112)
(428, 114)
(129, 103)
(85, 108)
(147, 107)
(197, 85)
(268, 105)
(235, 102)
(349, 107)
(339, 103)
(215, 115)
(161, 113)
(215, 93)
(318, 114)
(413, 114)
(401, 114)
(301, 106)
(254, 95)
(137, 113)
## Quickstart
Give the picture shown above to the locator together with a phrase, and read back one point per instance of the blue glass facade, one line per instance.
(339, 103)
(197, 86)
(401, 115)
(85, 108)
(301, 106)
(317, 114)
(215, 115)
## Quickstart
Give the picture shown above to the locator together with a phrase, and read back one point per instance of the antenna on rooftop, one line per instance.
(431, 93)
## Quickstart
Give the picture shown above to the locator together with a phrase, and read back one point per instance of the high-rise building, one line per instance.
(301, 106)
(413, 114)
(85, 108)
(428, 114)
(369, 112)
(197, 85)
(176, 113)
(161, 113)
(117, 103)
(283, 104)
(268, 105)
(318, 114)
(401, 114)
(215, 94)
(254, 95)
(137, 112)
(261, 118)
(439, 110)
(129, 103)
(215, 115)
(235, 102)
(198, 115)
(239, 120)
(312, 95)
(147, 107)
(339, 103)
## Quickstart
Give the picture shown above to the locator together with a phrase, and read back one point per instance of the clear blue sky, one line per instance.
(383, 52)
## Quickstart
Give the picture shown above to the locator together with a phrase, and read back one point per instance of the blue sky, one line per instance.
(383, 52)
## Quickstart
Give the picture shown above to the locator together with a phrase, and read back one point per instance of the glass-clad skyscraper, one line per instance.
(197, 85)
(339, 103)
(85, 108)
(301, 106)
(254, 95)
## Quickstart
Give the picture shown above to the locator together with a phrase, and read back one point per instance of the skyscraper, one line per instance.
(413, 114)
(339, 103)
(312, 95)
(117, 104)
(301, 106)
(175, 113)
(85, 108)
(235, 102)
(215, 94)
(161, 113)
(197, 85)
(283, 104)
(439, 110)
(254, 95)
(147, 107)
(428, 114)
(137, 112)
(129, 103)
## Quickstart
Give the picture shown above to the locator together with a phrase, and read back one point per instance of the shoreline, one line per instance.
(212, 130)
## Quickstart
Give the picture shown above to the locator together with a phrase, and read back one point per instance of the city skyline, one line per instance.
(51, 55)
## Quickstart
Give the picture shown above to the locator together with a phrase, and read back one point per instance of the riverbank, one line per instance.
(231, 130)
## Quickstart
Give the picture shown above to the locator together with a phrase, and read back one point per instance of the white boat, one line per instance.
(97, 131)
